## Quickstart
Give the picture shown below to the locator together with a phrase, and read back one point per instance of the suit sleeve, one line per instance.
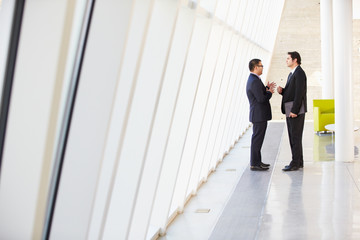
(283, 90)
(300, 83)
(260, 93)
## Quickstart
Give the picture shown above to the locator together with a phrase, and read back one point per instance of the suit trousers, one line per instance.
(257, 139)
(295, 128)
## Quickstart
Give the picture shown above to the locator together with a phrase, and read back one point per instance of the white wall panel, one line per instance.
(242, 118)
(228, 105)
(222, 9)
(34, 117)
(140, 122)
(272, 24)
(137, 30)
(254, 27)
(208, 114)
(248, 20)
(162, 123)
(6, 17)
(209, 5)
(241, 15)
(90, 119)
(206, 131)
(180, 123)
(219, 74)
(239, 90)
(197, 115)
(216, 156)
(265, 13)
(233, 13)
(219, 117)
(235, 71)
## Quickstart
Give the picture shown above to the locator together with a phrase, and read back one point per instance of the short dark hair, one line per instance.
(295, 55)
(254, 62)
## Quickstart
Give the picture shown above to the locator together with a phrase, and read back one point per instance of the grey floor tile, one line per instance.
(321, 201)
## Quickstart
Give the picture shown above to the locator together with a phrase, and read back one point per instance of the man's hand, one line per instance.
(279, 89)
(271, 86)
(292, 115)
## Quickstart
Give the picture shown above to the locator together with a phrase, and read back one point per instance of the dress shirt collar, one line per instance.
(255, 75)
(292, 71)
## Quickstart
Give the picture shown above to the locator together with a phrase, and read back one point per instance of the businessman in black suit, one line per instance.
(294, 106)
(260, 112)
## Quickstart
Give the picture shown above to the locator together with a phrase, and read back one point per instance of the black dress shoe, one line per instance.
(258, 168)
(290, 168)
(264, 164)
(301, 166)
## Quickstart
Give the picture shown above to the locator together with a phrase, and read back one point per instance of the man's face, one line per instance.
(259, 68)
(290, 62)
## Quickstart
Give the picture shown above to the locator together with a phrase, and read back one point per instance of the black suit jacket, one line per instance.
(260, 109)
(295, 90)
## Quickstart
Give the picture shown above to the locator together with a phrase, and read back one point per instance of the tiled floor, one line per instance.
(212, 195)
(322, 201)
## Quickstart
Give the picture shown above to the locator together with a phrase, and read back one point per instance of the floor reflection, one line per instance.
(295, 214)
(324, 147)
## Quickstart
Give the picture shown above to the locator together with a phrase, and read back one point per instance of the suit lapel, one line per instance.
(292, 76)
(289, 80)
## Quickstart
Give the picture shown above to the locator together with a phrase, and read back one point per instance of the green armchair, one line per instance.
(324, 113)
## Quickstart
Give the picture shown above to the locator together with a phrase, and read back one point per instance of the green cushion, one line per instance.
(324, 113)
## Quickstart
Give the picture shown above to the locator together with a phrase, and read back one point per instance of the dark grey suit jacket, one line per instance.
(295, 90)
(260, 109)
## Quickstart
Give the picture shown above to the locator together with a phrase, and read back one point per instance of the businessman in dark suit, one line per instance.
(260, 112)
(294, 105)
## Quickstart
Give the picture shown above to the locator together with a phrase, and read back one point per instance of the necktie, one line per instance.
(290, 74)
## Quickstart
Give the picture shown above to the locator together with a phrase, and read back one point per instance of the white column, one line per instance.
(342, 21)
(326, 21)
